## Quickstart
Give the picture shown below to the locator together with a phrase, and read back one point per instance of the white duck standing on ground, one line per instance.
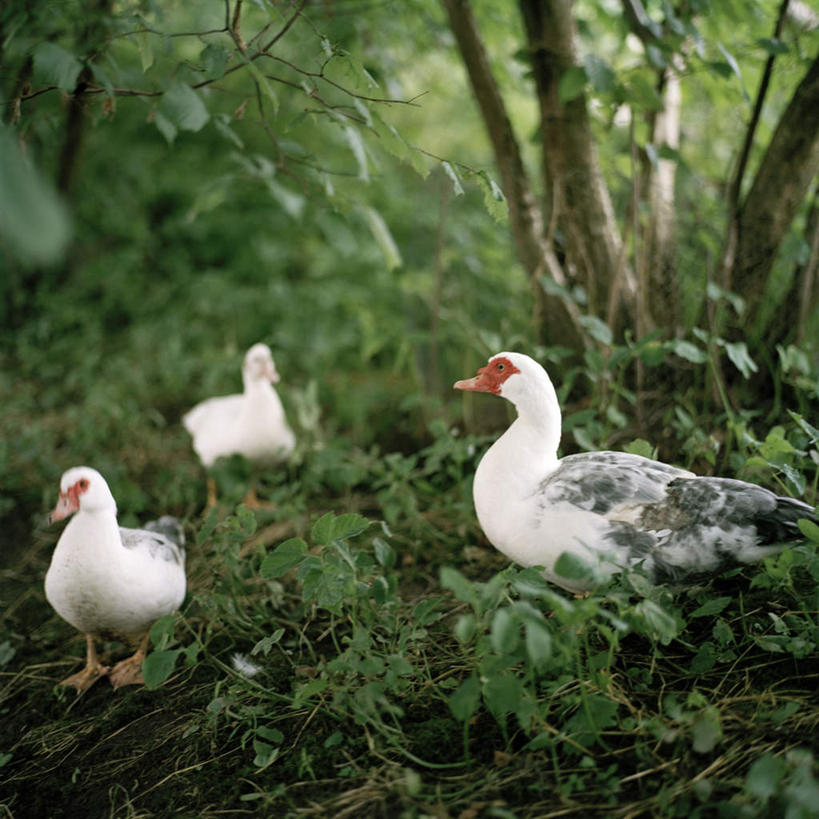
(252, 424)
(611, 509)
(108, 581)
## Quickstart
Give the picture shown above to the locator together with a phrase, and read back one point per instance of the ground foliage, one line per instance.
(358, 649)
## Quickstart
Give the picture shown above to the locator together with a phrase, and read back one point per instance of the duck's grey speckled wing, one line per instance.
(602, 482)
(164, 539)
(678, 525)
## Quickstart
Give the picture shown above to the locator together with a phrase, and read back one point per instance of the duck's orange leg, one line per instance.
(129, 671)
(211, 501)
(93, 670)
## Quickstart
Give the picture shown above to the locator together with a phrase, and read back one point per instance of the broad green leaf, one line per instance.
(641, 447)
(383, 237)
(245, 520)
(427, 611)
(264, 645)
(656, 620)
(364, 111)
(723, 633)
(222, 123)
(811, 431)
(493, 197)
(572, 567)
(465, 627)
(729, 58)
(715, 293)
(809, 529)
(146, 53)
(348, 525)
(359, 152)
(595, 715)
(214, 60)
(456, 183)
(706, 731)
(322, 531)
(165, 126)
(763, 777)
(741, 359)
(503, 693)
(704, 659)
(642, 93)
(270, 734)
(56, 66)
(384, 553)
(597, 329)
(162, 631)
(184, 108)
(34, 222)
(689, 351)
(572, 82)
(795, 478)
(772, 45)
(453, 580)
(284, 557)
(158, 666)
(265, 753)
(712, 607)
(395, 144)
(304, 693)
(538, 644)
(504, 634)
(208, 526)
(466, 698)
(292, 203)
(599, 72)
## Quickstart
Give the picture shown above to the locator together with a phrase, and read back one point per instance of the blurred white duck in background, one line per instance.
(252, 424)
(110, 582)
(611, 509)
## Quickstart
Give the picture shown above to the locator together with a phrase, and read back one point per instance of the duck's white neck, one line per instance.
(256, 386)
(515, 465)
(539, 421)
(96, 529)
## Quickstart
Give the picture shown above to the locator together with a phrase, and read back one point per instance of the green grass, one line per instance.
(359, 650)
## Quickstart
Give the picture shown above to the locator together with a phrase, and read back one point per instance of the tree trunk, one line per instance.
(558, 316)
(660, 246)
(92, 38)
(788, 166)
(595, 249)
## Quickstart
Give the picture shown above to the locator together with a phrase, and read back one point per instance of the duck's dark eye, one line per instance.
(83, 484)
(501, 367)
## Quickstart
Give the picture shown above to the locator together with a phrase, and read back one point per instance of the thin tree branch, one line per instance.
(736, 184)
(320, 75)
(235, 31)
(285, 28)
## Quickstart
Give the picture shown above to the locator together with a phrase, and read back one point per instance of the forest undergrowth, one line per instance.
(356, 648)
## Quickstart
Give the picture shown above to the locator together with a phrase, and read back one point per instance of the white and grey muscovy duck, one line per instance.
(252, 424)
(611, 509)
(110, 582)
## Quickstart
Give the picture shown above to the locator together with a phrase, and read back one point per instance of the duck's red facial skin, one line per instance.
(69, 501)
(489, 378)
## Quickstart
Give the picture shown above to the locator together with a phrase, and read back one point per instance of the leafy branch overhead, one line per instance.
(257, 69)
